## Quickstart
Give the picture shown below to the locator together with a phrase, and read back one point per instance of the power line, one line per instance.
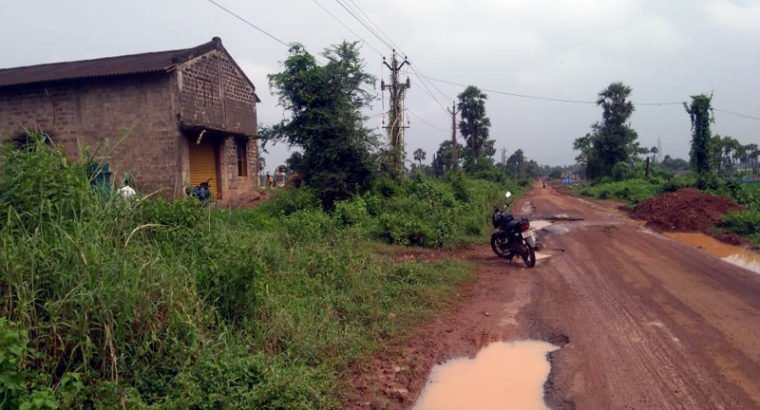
(418, 74)
(375, 25)
(249, 23)
(347, 27)
(425, 121)
(389, 43)
(363, 23)
(535, 97)
(425, 86)
(737, 114)
(573, 101)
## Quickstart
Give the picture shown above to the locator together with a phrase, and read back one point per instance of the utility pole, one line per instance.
(395, 113)
(454, 155)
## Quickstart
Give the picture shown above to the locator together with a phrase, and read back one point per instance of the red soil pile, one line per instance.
(686, 210)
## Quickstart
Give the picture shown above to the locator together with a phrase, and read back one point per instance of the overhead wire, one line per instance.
(565, 100)
(751, 117)
(363, 23)
(428, 81)
(326, 10)
(272, 36)
(419, 117)
(416, 71)
(368, 23)
(372, 22)
(435, 87)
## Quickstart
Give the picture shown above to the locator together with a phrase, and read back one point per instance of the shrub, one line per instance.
(348, 213)
(745, 223)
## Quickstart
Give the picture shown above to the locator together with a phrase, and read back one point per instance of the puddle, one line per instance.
(502, 376)
(540, 224)
(542, 255)
(729, 253)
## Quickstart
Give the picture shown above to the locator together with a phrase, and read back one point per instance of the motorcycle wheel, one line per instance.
(529, 255)
(497, 242)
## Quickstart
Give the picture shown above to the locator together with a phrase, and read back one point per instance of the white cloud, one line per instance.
(740, 17)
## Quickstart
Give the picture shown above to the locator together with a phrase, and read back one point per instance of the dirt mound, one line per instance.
(686, 210)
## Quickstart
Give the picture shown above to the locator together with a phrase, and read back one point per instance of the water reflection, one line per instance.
(729, 253)
(501, 376)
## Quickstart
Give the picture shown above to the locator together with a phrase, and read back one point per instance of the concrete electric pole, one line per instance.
(395, 113)
(454, 155)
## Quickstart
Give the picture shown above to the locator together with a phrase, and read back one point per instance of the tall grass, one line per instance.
(166, 304)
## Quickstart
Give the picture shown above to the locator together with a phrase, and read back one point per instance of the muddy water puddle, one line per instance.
(540, 224)
(502, 376)
(729, 253)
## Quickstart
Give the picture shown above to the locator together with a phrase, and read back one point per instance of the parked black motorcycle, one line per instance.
(202, 191)
(513, 237)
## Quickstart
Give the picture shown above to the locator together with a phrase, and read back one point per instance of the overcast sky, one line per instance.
(567, 49)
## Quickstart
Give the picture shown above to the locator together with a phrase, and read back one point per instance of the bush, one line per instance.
(349, 213)
(632, 190)
(167, 304)
(40, 184)
(745, 223)
(288, 201)
(437, 213)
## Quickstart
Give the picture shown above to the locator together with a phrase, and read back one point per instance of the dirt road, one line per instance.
(645, 322)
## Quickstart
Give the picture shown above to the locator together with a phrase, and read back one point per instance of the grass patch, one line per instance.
(167, 304)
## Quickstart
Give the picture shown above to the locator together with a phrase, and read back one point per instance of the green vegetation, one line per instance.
(607, 151)
(610, 157)
(474, 127)
(152, 303)
(325, 103)
(746, 223)
(633, 191)
(700, 113)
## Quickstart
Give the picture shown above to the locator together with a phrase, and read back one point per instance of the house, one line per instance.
(168, 119)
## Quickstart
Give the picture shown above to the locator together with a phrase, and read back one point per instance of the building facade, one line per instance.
(168, 120)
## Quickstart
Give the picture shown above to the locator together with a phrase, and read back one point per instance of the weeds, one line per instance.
(168, 304)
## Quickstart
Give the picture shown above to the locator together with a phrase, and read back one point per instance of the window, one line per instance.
(242, 157)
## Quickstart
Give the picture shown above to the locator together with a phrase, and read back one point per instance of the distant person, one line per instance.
(270, 182)
(126, 192)
(279, 177)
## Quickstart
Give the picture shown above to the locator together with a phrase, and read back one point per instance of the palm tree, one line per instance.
(419, 156)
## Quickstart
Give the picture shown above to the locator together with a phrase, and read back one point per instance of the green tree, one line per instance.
(474, 126)
(674, 164)
(516, 163)
(613, 140)
(442, 158)
(753, 154)
(325, 103)
(723, 153)
(419, 156)
(700, 113)
(584, 146)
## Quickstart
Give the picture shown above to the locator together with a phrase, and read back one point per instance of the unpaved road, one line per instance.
(644, 322)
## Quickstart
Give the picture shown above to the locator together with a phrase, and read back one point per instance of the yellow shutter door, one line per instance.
(203, 165)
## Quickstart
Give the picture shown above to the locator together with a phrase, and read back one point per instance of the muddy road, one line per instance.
(643, 321)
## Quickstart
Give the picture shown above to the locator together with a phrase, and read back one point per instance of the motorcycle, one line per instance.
(202, 191)
(513, 237)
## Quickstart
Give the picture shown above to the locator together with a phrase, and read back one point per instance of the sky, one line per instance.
(665, 51)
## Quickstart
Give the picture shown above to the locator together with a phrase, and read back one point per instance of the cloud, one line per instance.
(740, 17)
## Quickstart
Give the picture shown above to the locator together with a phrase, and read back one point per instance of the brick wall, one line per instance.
(235, 185)
(214, 93)
(129, 119)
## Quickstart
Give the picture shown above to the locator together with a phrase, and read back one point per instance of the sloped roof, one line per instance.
(104, 67)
